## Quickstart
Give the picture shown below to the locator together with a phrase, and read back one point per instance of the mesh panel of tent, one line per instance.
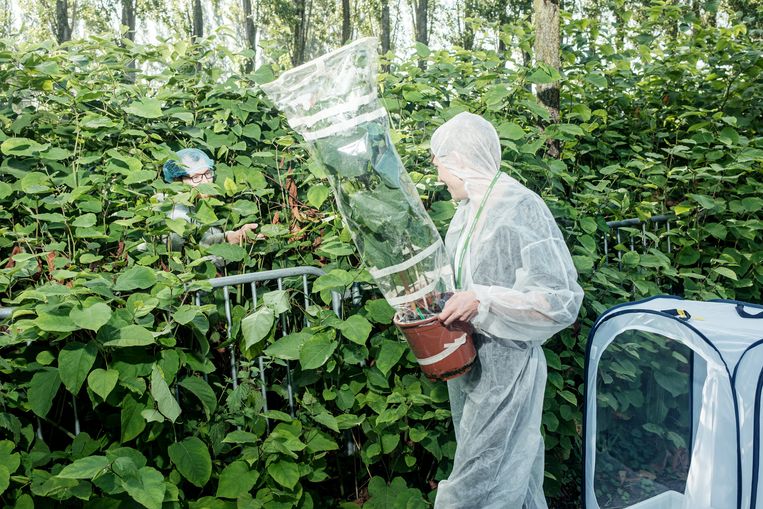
(673, 392)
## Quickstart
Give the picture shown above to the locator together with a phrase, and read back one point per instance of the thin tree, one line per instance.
(128, 18)
(385, 27)
(63, 28)
(250, 33)
(548, 51)
(421, 20)
(299, 31)
(346, 27)
(197, 21)
(470, 11)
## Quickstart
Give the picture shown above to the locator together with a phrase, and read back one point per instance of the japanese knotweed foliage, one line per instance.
(106, 323)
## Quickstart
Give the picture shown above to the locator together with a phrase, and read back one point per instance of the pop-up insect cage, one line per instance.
(673, 397)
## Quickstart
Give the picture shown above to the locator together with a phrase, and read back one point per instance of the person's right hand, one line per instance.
(237, 236)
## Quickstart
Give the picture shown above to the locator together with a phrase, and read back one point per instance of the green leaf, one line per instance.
(192, 460)
(332, 280)
(132, 335)
(21, 147)
(85, 221)
(596, 79)
(284, 473)
(160, 391)
(327, 420)
(318, 441)
(422, 50)
(74, 363)
(146, 108)
(85, 468)
(277, 300)
(728, 136)
(236, 480)
(185, 314)
(511, 131)
(146, 487)
(317, 194)
(102, 381)
(136, 277)
(42, 390)
(240, 437)
(256, 326)
(203, 391)
(5, 479)
(132, 422)
(544, 75)
(316, 351)
(228, 252)
(567, 395)
(389, 355)
(288, 347)
(356, 328)
(379, 311)
(725, 272)
(92, 318)
(9, 459)
(252, 131)
(54, 321)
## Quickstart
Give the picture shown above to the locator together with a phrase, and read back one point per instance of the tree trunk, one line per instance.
(128, 18)
(421, 25)
(198, 21)
(421, 20)
(385, 26)
(300, 32)
(548, 51)
(63, 28)
(250, 32)
(468, 38)
(346, 28)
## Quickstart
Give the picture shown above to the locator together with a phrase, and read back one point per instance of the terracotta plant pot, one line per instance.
(444, 352)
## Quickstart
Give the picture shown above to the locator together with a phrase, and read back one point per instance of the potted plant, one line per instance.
(332, 102)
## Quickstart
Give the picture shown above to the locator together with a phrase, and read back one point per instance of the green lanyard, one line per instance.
(471, 231)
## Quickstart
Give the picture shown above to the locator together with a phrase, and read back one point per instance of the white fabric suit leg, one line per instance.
(497, 410)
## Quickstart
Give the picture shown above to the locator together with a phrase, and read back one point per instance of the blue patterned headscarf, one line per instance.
(190, 161)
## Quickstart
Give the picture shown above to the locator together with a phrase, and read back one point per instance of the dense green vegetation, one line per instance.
(667, 123)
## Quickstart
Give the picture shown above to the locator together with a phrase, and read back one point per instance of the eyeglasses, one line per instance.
(200, 177)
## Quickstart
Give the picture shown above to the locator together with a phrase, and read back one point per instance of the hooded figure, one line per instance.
(193, 167)
(518, 287)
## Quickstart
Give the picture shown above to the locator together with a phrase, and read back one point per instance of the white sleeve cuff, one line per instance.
(482, 293)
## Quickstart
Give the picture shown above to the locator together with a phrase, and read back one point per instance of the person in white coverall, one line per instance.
(517, 285)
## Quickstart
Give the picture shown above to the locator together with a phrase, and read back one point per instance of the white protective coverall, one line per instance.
(522, 274)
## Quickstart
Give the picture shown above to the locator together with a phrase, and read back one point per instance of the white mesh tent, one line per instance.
(673, 406)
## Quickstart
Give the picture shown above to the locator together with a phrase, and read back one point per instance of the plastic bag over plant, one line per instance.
(332, 102)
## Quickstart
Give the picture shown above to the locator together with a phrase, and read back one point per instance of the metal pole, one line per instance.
(231, 347)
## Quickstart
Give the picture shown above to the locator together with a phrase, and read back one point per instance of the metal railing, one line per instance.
(254, 282)
(251, 280)
(623, 233)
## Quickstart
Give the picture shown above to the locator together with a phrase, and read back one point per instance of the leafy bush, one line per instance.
(668, 124)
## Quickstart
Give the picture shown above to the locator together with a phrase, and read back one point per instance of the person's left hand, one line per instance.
(461, 306)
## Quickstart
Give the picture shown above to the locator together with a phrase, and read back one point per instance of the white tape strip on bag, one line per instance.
(404, 299)
(450, 348)
(353, 105)
(344, 126)
(410, 262)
